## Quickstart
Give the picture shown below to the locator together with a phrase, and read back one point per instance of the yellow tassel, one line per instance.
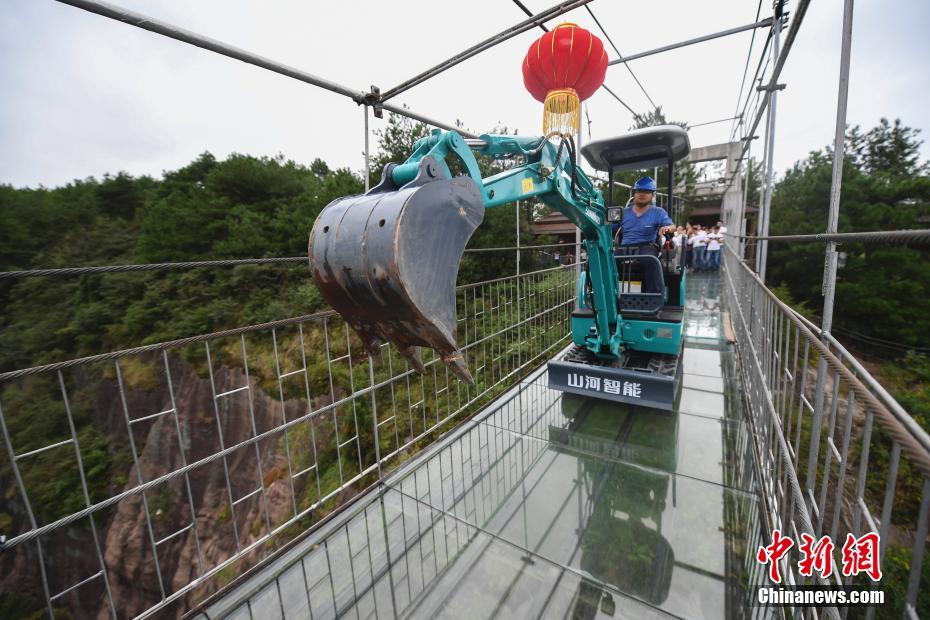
(562, 112)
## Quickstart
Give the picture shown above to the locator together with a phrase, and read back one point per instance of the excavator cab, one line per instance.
(647, 372)
(652, 321)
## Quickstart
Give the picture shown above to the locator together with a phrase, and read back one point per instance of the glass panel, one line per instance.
(552, 505)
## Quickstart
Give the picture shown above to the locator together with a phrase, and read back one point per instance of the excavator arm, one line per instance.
(387, 260)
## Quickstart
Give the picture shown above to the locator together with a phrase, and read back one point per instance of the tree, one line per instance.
(886, 149)
(121, 196)
(884, 291)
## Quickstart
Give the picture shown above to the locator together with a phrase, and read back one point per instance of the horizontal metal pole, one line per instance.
(527, 24)
(903, 237)
(180, 34)
(149, 417)
(43, 449)
(177, 33)
(522, 247)
(426, 119)
(707, 37)
(164, 346)
(622, 102)
(76, 271)
(74, 587)
(722, 120)
(776, 70)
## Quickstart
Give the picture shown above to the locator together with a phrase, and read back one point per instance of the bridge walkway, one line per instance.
(548, 505)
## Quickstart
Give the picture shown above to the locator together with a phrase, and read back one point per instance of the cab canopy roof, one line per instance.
(641, 148)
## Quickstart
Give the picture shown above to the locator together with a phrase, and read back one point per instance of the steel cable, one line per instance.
(902, 237)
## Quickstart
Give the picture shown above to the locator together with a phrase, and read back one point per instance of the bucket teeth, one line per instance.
(456, 363)
(412, 354)
(387, 262)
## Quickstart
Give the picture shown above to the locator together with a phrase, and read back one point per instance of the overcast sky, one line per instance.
(83, 95)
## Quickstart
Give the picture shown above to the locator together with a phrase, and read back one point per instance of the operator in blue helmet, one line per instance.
(642, 223)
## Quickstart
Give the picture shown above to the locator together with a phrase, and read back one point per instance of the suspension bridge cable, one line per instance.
(626, 64)
(622, 102)
(177, 33)
(163, 346)
(742, 83)
(721, 120)
(793, 29)
(180, 266)
(526, 10)
(899, 237)
(75, 271)
(761, 66)
(524, 26)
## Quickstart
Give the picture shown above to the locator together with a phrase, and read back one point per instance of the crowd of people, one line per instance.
(641, 225)
(705, 245)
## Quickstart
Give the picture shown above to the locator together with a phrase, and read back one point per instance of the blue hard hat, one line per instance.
(646, 183)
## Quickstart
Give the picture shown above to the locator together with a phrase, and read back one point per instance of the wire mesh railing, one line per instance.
(163, 472)
(838, 456)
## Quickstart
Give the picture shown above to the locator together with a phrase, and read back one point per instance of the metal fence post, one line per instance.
(839, 147)
(829, 276)
(374, 413)
(367, 158)
(762, 248)
(578, 230)
(743, 228)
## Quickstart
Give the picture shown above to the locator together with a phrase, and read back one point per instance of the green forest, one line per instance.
(242, 207)
(883, 291)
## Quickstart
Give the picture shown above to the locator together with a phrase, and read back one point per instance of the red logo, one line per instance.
(859, 555)
(817, 556)
(774, 552)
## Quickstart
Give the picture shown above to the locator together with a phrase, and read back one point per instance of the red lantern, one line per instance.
(561, 69)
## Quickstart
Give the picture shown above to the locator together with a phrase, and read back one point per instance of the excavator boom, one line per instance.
(387, 260)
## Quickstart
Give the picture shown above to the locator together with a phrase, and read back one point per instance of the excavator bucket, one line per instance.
(387, 261)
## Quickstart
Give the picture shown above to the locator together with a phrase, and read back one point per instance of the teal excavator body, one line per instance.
(387, 260)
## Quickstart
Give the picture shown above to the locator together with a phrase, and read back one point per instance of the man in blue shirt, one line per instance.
(642, 223)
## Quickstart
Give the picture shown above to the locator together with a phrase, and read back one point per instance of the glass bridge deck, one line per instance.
(548, 505)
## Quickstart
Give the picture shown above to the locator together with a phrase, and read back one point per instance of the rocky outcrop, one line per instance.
(204, 431)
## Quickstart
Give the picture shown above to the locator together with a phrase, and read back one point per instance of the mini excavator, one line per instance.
(387, 260)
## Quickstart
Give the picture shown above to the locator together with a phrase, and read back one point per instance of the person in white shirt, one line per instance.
(721, 228)
(714, 239)
(698, 243)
